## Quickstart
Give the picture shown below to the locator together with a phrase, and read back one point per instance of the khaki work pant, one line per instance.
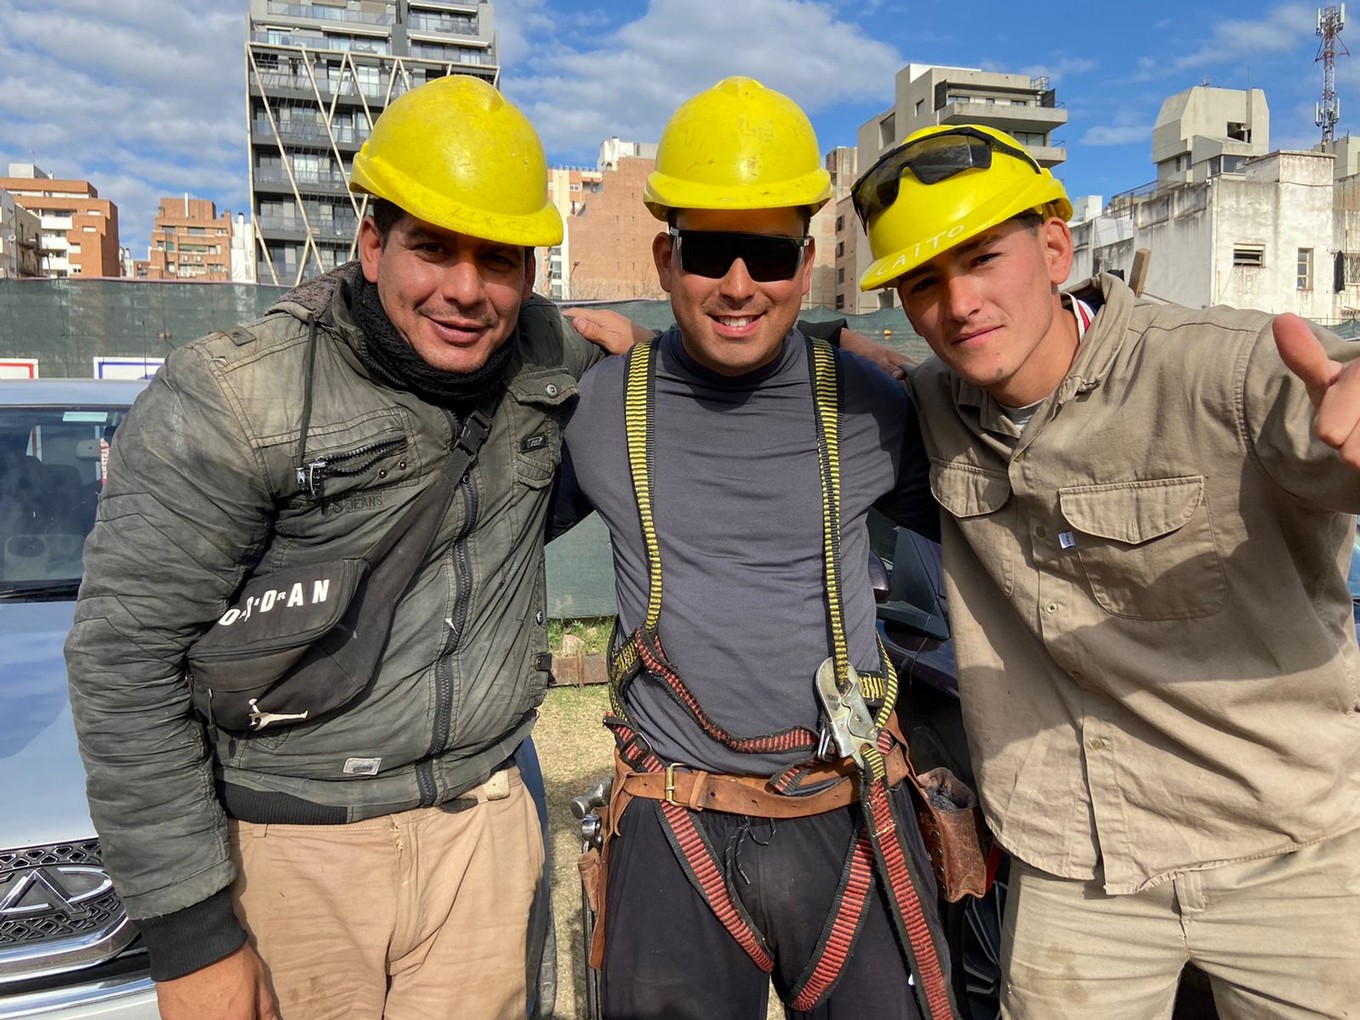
(1279, 938)
(419, 915)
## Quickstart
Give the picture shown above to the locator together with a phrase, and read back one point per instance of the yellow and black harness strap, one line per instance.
(880, 845)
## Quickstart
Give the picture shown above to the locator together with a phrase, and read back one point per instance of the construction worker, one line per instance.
(1146, 551)
(378, 860)
(758, 832)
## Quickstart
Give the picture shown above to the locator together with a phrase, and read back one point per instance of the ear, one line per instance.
(530, 273)
(1056, 239)
(370, 249)
(663, 254)
(809, 257)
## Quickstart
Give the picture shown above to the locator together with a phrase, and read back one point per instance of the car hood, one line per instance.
(42, 780)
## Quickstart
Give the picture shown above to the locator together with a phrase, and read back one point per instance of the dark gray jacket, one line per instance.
(202, 490)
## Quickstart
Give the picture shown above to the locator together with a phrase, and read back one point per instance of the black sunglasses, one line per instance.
(931, 160)
(710, 253)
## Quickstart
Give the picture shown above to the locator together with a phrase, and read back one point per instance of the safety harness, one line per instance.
(859, 749)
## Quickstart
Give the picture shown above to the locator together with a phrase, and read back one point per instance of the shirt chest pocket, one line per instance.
(980, 503)
(1147, 547)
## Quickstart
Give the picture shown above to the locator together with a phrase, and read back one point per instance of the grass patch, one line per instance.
(576, 751)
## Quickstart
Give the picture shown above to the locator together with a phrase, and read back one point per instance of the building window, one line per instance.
(840, 302)
(1305, 269)
(840, 224)
(920, 106)
(840, 275)
(840, 248)
(887, 130)
(1350, 269)
(1253, 255)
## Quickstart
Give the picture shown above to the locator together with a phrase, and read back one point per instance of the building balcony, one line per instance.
(444, 5)
(339, 44)
(450, 54)
(1010, 119)
(316, 12)
(330, 182)
(442, 24)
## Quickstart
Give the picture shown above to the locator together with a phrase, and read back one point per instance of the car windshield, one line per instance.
(52, 464)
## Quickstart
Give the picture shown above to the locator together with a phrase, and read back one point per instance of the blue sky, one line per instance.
(146, 97)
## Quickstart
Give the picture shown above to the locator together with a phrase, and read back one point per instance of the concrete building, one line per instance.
(20, 244)
(1275, 230)
(79, 230)
(1206, 131)
(924, 95)
(606, 249)
(190, 241)
(318, 74)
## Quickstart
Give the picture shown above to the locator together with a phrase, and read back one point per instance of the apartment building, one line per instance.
(923, 95)
(606, 249)
(190, 241)
(318, 74)
(78, 229)
(19, 240)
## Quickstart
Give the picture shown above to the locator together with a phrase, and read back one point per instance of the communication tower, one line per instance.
(1330, 21)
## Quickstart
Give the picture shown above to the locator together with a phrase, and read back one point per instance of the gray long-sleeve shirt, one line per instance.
(738, 510)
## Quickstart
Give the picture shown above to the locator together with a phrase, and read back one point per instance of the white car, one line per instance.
(67, 949)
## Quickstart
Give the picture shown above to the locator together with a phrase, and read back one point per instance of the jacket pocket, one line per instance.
(980, 502)
(538, 412)
(1147, 548)
(370, 453)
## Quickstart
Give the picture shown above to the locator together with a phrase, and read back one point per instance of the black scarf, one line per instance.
(389, 356)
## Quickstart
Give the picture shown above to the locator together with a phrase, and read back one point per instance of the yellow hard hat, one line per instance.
(940, 187)
(738, 145)
(455, 153)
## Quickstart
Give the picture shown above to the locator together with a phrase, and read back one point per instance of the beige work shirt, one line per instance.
(1147, 587)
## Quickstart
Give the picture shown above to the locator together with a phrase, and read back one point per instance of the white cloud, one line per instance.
(1060, 68)
(1283, 29)
(628, 82)
(1121, 134)
(143, 98)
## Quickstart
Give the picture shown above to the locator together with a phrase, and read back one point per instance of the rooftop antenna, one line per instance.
(1330, 22)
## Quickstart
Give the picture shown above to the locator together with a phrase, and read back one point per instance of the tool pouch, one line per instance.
(955, 835)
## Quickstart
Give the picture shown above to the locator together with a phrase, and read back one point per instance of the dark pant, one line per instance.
(667, 957)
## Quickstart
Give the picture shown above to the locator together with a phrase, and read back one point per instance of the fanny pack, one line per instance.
(305, 640)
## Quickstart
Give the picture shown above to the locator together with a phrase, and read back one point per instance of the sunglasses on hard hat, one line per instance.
(710, 253)
(930, 160)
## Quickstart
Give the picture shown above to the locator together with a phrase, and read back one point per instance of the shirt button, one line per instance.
(550, 390)
(1041, 531)
(1051, 608)
(1097, 744)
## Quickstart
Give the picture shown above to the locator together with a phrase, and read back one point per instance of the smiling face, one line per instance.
(990, 309)
(455, 298)
(735, 324)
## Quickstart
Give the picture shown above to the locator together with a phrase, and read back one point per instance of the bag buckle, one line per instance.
(476, 427)
(849, 725)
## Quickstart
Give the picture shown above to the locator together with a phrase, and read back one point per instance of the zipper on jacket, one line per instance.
(443, 706)
(312, 475)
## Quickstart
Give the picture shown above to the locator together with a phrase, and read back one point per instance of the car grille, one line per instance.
(91, 915)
